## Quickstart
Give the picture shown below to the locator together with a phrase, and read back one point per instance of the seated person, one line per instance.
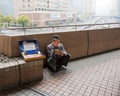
(57, 55)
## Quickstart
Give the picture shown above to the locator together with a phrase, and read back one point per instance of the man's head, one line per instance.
(56, 37)
(55, 40)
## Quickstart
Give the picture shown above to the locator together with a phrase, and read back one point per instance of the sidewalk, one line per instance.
(93, 76)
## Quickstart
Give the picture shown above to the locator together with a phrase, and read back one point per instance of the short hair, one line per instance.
(56, 37)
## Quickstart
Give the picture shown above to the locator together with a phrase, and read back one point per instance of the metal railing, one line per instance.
(52, 29)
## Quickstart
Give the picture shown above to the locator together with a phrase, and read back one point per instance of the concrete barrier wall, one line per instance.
(77, 43)
(1, 43)
(74, 42)
(5, 44)
(103, 40)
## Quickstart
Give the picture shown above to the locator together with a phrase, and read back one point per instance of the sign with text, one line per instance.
(54, 16)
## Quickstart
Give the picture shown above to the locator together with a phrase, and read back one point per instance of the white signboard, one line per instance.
(54, 16)
(29, 46)
(69, 15)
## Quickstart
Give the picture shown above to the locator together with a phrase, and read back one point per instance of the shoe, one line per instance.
(63, 68)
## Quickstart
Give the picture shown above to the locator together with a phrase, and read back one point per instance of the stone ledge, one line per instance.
(15, 71)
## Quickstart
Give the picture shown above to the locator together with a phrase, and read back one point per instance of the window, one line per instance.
(29, 5)
(23, 6)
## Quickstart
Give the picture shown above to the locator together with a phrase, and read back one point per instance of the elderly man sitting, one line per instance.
(57, 55)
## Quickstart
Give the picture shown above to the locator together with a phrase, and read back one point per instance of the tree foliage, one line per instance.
(23, 20)
(5, 20)
(1, 16)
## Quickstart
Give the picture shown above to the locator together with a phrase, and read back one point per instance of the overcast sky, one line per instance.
(105, 7)
(102, 7)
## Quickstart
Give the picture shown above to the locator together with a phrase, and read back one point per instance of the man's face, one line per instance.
(56, 42)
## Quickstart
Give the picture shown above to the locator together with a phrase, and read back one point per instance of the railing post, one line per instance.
(53, 29)
(24, 31)
(24, 28)
(108, 25)
(75, 27)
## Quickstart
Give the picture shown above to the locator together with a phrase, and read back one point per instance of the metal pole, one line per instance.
(53, 30)
(76, 28)
(24, 28)
(24, 31)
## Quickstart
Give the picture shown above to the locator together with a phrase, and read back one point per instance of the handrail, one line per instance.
(75, 27)
(62, 26)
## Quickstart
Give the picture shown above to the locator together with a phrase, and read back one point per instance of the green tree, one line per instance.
(5, 20)
(23, 20)
(1, 20)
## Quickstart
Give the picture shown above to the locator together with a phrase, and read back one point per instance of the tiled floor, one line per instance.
(93, 76)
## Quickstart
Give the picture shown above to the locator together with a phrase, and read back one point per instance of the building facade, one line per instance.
(42, 5)
(45, 12)
(42, 18)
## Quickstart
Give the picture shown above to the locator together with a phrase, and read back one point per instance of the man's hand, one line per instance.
(57, 51)
(61, 53)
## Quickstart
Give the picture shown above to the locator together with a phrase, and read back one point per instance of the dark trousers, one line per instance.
(56, 61)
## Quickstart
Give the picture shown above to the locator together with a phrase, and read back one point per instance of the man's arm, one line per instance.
(50, 51)
(63, 51)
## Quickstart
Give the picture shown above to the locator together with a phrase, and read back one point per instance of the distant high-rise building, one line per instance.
(6, 7)
(42, 5)
(45, 12)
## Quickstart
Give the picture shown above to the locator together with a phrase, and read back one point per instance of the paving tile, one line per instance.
(108, 94)
(99, 79)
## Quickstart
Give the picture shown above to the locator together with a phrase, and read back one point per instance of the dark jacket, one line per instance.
(51, 48)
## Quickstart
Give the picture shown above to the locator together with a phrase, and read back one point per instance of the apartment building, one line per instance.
(45, 12)
(42, 5)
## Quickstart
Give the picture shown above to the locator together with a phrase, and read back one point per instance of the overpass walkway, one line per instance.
(98, 75)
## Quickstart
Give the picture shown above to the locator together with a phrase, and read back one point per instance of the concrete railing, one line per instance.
(78, 43)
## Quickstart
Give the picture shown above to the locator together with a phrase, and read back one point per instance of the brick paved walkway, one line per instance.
(99, 76)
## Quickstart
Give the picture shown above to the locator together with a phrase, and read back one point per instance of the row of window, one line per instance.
(43, 6)
(41, 9)
(26, 0)
(25, 6)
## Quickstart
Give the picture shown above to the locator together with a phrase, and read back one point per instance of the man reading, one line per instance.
(57, 55)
